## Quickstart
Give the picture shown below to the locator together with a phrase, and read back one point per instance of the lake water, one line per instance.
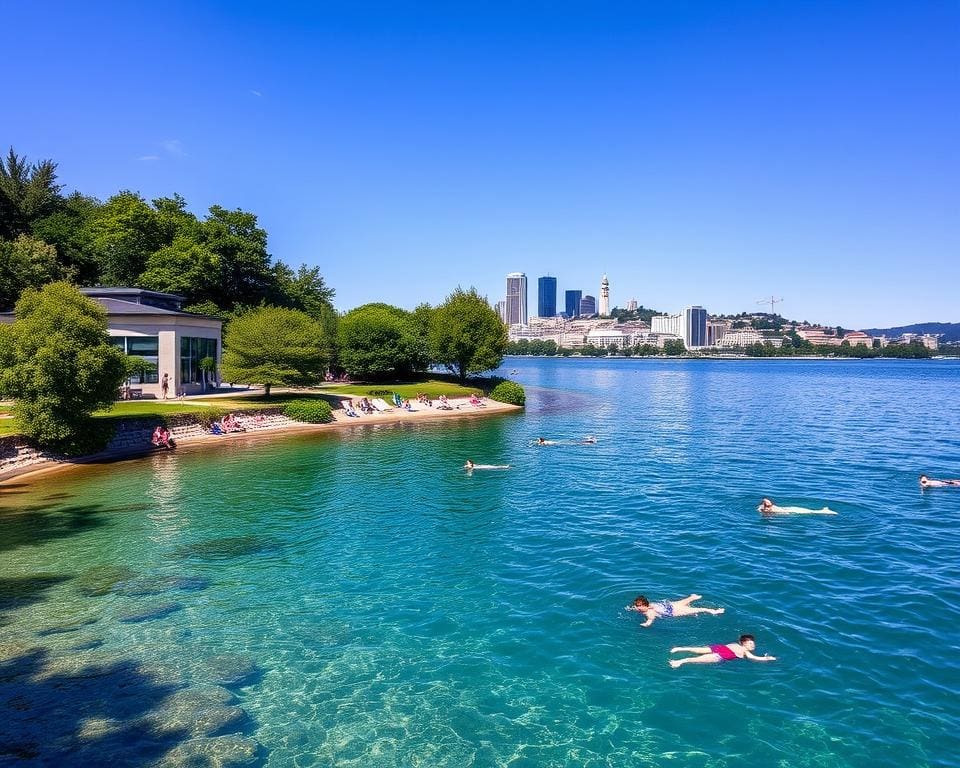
(356, 599)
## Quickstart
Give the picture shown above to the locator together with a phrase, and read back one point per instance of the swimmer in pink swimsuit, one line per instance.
(714, 654)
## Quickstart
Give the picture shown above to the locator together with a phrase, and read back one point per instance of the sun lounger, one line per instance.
(397, 400)
(348, 409)
(380, 404)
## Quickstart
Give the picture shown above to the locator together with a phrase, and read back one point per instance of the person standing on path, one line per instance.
(164, 386)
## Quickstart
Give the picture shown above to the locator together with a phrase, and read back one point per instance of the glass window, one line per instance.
(192, 351)
(143, 345)
(147, 347)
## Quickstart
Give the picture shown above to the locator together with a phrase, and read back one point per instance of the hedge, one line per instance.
(509, 392)
(310, 411)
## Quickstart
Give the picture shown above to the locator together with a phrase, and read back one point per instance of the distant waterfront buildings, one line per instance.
(516, 308)
(690, 325)
(604, 297)
(588, 306)
(502, 309)
(632, 305)
(546, 297)
(572, 303)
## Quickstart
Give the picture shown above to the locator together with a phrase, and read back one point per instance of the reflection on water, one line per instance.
(358, 599)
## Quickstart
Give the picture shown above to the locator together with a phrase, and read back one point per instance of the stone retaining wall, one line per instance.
(131, 438)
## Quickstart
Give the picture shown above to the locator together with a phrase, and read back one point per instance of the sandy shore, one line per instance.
(421, 413)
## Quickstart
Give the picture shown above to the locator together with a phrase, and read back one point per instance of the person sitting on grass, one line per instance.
(714, 654)
(669, 608)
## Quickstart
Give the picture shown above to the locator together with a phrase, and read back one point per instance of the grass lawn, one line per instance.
(7, 427)
(432, 389)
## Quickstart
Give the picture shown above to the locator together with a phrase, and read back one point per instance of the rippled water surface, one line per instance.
(357, 599)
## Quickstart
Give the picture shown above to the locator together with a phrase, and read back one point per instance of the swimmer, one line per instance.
(470, 466)
(541, 441)
(589, 440)
(668, 608)
(714, 654)
(767, 507)
(926, 482)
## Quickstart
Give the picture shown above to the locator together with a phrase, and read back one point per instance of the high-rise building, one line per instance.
(572, 303)
(695, 327)
(502, 309)
(632, 305)
(604, 297)
(690, 325)
(588, 306)
(546, 297)
(516, 298)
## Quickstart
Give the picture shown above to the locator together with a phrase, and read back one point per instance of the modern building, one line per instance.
(604, 296)
(502, 309)
(605, 337)
(744, 337)
(690, 325)
(716, 330)
(572, 303)
(588, 306)
(516, 299)
(632, 305)
(546, 297)
(152, 325)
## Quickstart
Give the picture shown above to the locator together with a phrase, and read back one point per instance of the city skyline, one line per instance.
(652, 143)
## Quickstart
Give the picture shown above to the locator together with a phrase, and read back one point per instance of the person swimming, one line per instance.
(588, 440)
(927, 482)
(542, 441)
(669, 608)
(470, 466)
(714, 654)
(767, 507)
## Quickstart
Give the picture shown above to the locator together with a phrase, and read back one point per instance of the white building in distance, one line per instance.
(516, 299)
(604, 297)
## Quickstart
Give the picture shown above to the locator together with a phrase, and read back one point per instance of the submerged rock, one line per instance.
(149, 613)
(145, 586)
(230, 669)
(216, 752)
(225, 548)
(63, 629)
(205, 711)
(100, 580)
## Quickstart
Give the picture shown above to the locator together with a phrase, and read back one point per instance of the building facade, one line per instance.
(605, 297)
(516, 298)
(572, 303)
(690, 325)
(546, 297)
(588, 306)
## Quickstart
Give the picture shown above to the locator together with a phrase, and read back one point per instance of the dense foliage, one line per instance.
(380, 342)
(57, 365)
(466, 334)
(274, 346)
(219, 263)
(309, 411)
(509, 392)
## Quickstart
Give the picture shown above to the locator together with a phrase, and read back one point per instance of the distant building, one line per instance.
(604, 337)
(546, 297)
(716, 330)
(690, 325)
(632, 305)
(929, 340)
(588, 306)
(818, 336)
(744, 337)
(858, 338)
(605, 297)
(516, 310)
(502, 309)
(572, 303)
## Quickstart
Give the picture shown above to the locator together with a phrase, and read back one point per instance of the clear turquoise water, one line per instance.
(402, 613)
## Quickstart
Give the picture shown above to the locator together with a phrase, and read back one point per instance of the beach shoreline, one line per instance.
(420, 415)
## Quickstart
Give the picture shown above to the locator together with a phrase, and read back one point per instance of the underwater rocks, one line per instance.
(215, 752)
(145, 586)
(205, 711)
(230, 669)
(148, 613)
(226, 548)
(100, 580)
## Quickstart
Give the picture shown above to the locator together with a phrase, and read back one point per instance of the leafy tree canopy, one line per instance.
(56, 363)
(274, 346)
(466, 334)
(379, 341)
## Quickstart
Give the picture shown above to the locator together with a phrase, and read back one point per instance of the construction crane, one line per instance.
(771, 301)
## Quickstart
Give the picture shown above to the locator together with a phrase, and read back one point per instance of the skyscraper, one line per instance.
(547, 297)
(604, 297)
(516, 298)
(572, 303)
(695, 327)
(588, 306)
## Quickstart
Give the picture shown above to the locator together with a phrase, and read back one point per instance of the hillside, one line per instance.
(950, 331)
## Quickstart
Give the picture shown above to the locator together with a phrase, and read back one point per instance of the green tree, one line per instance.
(379, 341)
(28, 191)
(467, 335)
(674, 347)
(246, 275)
(274, 346)
(56, 363)
(25, 263)
(68, 230)
(123, 232)
(183, 267)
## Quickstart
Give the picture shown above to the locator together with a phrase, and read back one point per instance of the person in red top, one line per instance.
(714, 654)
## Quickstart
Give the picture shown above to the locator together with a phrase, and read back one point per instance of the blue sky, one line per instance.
(697, 152)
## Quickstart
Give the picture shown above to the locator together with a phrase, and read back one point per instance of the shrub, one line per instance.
(310, 411)
(509, 392)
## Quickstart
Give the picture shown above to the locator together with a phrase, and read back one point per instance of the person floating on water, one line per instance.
(470, 466)
(542, 441)
(927, 482)
(767, 507)
(668, 608)
(589, 439)
(714, 654)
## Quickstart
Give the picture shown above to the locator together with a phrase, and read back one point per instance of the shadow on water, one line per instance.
(17, 592)
(55, 711)
(40, 524)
